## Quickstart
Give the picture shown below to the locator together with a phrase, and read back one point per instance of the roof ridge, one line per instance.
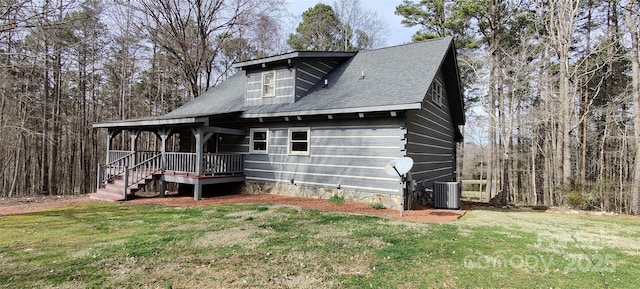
(296, 53)
(449, 38)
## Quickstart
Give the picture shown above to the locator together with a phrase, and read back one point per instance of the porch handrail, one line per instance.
(141, 170)
(181, 162)
(116, 154)
(132, 173)
(127, 156)
(111, 170)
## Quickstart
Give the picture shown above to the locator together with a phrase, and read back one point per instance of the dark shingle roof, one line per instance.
(226, 97)
(395, 78)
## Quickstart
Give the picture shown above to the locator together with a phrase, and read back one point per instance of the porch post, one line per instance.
(111, 134)
(199, 136)
(134, 138)
(164, 134)
(163, 186)
(109, 138)
(197, 191)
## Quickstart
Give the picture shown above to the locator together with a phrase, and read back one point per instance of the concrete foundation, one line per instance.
(294, 190)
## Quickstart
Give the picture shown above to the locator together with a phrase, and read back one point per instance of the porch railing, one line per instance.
(223, 163)
(212, 163)
(142, 170)
(114, 168)
(117, 154)
(151, 162)
(122, 166)
(145, 155)
(134, 158)
(180, 162)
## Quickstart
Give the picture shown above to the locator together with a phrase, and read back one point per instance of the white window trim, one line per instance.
(437, 96)
(275, 80)
(290, 141)
(251, 141)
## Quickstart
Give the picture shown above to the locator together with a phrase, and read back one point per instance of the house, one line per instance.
(309, 124)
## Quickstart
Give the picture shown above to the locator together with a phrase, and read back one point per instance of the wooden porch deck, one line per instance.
(118, 179)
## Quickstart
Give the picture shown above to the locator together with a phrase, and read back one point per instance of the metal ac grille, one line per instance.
(446, 195)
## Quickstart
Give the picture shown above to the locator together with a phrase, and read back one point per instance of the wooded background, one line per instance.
(551, 87)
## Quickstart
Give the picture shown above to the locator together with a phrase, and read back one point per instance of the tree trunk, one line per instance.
(632, 25)
(494, 89)
(44, 157)
(585, 99)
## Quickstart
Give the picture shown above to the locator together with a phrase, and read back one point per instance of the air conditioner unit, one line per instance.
(446, 195)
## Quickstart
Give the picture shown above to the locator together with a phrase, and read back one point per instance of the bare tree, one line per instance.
(187, 30)
(561, 25)
(360, 25)
(632, 20)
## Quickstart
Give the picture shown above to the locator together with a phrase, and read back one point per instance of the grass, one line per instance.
(472, 195)
(263, 246)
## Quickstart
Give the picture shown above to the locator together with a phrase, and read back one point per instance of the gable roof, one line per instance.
(287, 57)
(395, 78)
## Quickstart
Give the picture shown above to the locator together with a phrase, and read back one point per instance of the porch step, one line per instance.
(119, 181)
(113, 191)
(105, 197)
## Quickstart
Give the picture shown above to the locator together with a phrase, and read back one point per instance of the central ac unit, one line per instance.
(446, 195)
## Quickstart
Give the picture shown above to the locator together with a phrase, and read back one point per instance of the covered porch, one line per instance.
(199, 161)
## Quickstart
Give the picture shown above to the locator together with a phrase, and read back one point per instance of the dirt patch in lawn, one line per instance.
(234, 236)
(420, 214)
(14, 206)
(23, 205)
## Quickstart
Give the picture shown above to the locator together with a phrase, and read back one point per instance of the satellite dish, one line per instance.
(399, 167)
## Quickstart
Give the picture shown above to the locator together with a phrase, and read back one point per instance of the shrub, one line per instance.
(336, 199)
(576, 200)
(377, 206)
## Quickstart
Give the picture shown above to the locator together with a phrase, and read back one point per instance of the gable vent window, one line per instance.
(269, 83)
(259, 141)
(437, 95)
(299, 141)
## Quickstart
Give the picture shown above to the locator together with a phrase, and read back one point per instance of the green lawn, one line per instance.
(263, 246)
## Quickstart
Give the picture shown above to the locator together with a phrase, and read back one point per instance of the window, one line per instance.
(437, 93)
(259, 141)
(299, 141)
(269, 83)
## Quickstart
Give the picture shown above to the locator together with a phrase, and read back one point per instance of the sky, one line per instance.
(398, 34)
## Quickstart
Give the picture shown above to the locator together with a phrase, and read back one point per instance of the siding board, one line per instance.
(311, 72)
(430, 142)
(348, 152)
(284, 88)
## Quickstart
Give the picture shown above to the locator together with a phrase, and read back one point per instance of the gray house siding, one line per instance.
(372, 110)
(291, 83)
(350, 154)
(284, 91)
(309, 72)
(430, 142)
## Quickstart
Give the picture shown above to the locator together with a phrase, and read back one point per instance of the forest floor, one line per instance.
(21, 205)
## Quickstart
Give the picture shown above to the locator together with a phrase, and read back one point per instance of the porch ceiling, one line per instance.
(223, 130)
(143, 123)
(158, 123)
